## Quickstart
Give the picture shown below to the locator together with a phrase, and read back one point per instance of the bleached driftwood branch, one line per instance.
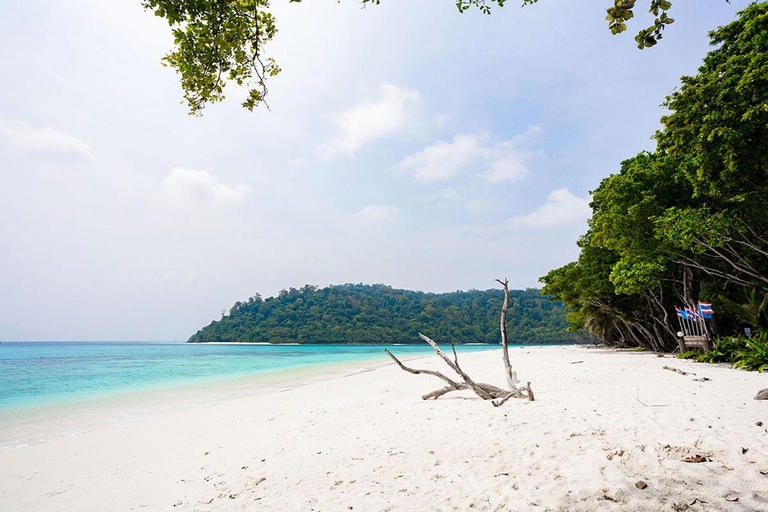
(452, 385)
(485, 391)
(511, 376)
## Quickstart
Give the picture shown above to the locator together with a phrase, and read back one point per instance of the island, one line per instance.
(360, 313)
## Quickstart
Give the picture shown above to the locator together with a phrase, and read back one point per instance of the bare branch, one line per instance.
(454, 384)
(511, 376)
(485, 391)
(455, 367)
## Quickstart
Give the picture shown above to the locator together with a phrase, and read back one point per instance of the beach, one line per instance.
(609, 430)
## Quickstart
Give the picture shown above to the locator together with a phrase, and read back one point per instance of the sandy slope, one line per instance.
(366, 441)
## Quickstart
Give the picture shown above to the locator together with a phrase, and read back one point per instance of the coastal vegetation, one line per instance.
(686, 222)
(356, 313)
(747, 353)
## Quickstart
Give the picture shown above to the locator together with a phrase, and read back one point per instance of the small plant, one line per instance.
(744, 353)
(754, 355)
(724, 350)
(690, 354)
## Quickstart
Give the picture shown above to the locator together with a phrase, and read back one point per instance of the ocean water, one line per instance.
(58, 373)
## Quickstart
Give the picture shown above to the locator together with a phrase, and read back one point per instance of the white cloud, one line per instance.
(180, 276)
(442, 159)
(560, 208)
(476, 205)
(444, 195)
(371, 121)
(453, 198)
(192, 188)
(299, 161)
(439, 120)
(531, 133)
(379, 213)
(45, 142)
(505, 163)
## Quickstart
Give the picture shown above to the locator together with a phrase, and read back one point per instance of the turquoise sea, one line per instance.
(58, 373)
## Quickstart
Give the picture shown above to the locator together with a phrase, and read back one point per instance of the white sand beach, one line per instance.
(364, 440)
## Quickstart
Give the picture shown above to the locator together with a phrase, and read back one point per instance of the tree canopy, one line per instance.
(686, 222)
(356, 313)
(221, 41)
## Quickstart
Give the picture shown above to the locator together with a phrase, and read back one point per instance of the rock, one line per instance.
(759, 423)
(640, 484)
(762, 394)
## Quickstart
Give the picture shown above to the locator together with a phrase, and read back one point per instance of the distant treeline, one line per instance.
(355, 313)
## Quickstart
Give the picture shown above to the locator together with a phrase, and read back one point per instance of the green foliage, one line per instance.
(218, 41)
(718, 125)
(621, 12)
(754, 355)
(693, 229)
(687, 221)
(378, 313)
(744, 353)
(223, 40)
(650, 36)
(717, 133)
(623, 206)
(752, 309)
(724, 350)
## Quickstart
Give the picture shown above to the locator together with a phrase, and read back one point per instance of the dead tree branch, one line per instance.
(485, 391)
(511, 376)
(452, 385)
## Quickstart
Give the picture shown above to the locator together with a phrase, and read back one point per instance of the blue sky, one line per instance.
(407, 144)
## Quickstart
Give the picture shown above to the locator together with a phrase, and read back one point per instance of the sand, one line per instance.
(603, 421)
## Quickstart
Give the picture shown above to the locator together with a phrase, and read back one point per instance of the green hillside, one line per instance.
(357, 313)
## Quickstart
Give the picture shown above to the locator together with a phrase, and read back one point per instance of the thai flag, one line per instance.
(691, 313)
(680, 312)
(705, 309)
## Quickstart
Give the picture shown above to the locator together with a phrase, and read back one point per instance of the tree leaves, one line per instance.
(221, 41)
(377, 313)
(689, 218)
(217, 41)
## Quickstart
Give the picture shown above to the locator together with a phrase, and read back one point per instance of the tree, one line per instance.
(717, 132)
(376, 313)
(220, 41)
(686, 222)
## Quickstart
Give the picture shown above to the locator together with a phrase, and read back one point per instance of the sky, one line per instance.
(406, 144)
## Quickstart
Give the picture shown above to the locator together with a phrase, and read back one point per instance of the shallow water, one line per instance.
(55, 373)
(54, 390)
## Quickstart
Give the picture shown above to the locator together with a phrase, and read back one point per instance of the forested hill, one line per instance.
(354, 313)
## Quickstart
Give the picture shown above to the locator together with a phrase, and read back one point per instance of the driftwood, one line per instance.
(485, 391)
(677, 370)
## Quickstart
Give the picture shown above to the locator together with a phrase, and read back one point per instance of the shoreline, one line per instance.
(361, 437)
(21, 426)
(383, 344)
(105, 391)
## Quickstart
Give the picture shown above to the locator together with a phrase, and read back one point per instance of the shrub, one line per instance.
(754, 354)
(742, 352)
